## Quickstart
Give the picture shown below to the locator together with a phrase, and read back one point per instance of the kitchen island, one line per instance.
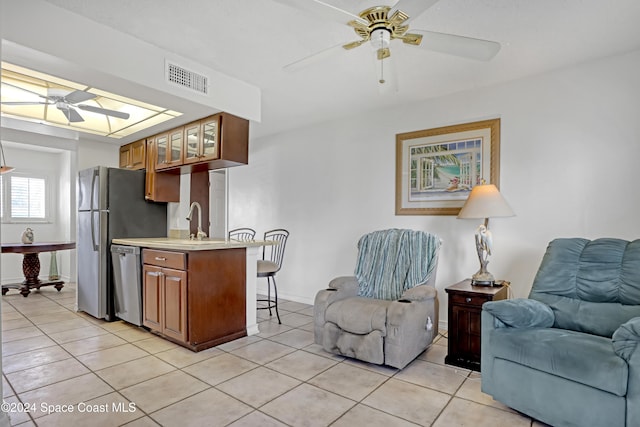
(198, 293)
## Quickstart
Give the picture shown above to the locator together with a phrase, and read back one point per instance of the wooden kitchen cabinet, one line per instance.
(175, 304)
(195, 298)
(202, 140)
(168, 149)
(465, 308)
(165, 293)
(133, 155)
(159, 187)
(215, 142)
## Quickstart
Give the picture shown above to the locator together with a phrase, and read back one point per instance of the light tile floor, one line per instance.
(112, 374)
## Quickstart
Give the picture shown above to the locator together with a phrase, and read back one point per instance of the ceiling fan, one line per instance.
(379, 25)
(68, 103)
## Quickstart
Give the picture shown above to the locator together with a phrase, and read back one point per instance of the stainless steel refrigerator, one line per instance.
(111, 205)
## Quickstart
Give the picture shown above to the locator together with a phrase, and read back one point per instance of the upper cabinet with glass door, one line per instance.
(202, 140)
(169, 148)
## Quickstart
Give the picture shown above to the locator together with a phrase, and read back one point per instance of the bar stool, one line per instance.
(270, 264)
(242, 234)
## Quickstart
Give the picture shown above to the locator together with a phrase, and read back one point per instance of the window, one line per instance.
(24, 197)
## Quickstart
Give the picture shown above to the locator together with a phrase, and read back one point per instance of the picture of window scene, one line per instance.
(445, 171)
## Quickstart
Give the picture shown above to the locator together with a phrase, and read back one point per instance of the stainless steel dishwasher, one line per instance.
(127, 283)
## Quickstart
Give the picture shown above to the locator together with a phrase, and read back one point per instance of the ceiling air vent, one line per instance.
(186, 78)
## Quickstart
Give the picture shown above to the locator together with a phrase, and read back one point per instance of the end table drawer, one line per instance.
(473, 300)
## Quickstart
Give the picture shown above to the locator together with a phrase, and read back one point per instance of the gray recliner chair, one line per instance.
(388, 312)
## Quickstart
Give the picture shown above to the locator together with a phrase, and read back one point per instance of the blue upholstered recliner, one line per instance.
(569, 355)
(388, 312)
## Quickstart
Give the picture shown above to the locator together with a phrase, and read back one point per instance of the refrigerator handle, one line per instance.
(91, 210)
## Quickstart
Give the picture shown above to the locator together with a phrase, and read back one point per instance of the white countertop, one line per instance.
(189, 245)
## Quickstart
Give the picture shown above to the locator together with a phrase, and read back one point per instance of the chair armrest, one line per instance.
(346, 285)
(626, 338)
(419, 293)
(625, 342)
(339, 288)
(521, 313)
(411, 327)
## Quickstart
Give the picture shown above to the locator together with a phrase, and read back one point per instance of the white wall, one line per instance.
(55, 165)
(569, 151)
(91, 153)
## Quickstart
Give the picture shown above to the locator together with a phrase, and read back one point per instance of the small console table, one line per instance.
(31, 264)
(465, 308)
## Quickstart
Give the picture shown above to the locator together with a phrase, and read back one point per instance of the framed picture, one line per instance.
(437, 168)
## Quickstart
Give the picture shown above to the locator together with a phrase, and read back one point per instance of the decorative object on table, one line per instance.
(3, 166)
(53, 267)
(437, 168)
(27, 236)
(485, 201)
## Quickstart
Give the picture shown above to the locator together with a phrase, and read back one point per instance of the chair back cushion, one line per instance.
(392, 261)
(592, 286)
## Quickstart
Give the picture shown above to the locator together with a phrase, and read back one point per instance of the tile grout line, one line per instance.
(270, 338)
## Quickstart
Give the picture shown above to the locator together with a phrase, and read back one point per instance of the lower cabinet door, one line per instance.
(468, 335)
(152, 301)
(175, 304)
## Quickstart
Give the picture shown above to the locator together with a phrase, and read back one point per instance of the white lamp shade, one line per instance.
(485, 201)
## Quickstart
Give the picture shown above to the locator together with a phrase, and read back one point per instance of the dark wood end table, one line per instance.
(465, 308)
(31, 264)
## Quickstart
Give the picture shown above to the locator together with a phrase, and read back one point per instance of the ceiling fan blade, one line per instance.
(311, 59)
(24, 103)
(465, 47)
(78, 96)
(26, 90)
(71, 114)
(325, 10)
(411, 8)
(113, 113)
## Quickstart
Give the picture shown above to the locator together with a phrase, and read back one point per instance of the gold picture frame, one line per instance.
(436, 168)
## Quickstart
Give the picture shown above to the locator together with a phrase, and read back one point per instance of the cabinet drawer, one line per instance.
(177, 260)
(467, 299)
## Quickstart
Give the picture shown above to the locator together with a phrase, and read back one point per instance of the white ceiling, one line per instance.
(253, 39)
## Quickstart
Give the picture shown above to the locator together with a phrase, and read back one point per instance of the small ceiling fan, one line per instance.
(68, 103)
(379, 25)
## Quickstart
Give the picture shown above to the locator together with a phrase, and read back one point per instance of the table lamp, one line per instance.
(484, 201)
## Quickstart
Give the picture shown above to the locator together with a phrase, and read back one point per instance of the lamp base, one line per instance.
(483, 278)
(482, 282)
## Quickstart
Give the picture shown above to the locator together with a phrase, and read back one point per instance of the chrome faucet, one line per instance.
(200, 234)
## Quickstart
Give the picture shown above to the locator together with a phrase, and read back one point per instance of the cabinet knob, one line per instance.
(468, 299)
(164, 259)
